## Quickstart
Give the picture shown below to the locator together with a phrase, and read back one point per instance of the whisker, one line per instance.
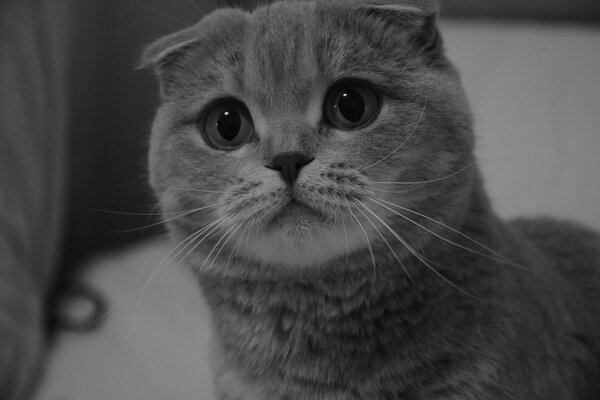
(202, 12)
(206, 231)
(158, 214)
(195, 190)
(420, 258)
(252, 224)
(208, 234)
(180, 214)
(162, 14)
(345, 235)
(148, 218)
(501, 258)
(381, 234)
(226, 235)
(365, 236)
(239, 225)
(175, 252)
(431, 180)
(248, 222)
(405, 140)
(397, 191)
(166, 260)
(124, 212)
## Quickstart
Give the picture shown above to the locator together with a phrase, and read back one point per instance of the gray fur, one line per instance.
(511, 310)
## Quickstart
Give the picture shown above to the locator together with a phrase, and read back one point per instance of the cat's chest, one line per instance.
(369, 353)
(231, 385)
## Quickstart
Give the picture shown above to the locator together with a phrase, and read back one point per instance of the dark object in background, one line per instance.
(544, 10)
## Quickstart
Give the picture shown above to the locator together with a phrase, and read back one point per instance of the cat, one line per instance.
(314, 162)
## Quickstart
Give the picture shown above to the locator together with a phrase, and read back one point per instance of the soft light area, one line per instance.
(535, 94)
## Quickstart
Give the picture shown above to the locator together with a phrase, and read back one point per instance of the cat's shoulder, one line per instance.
(574, 247)
(562, 238)
(575, 250)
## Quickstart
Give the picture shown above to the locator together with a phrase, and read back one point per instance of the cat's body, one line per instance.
(346, 247)
(381, 335)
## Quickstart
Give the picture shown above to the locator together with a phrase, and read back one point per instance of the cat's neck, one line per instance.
(338, 325)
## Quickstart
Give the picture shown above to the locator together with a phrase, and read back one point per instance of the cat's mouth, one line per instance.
(296, 212)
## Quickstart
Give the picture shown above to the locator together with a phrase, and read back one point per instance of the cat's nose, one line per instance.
(289, 165)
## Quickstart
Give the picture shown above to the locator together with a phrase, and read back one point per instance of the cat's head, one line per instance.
(285, 135)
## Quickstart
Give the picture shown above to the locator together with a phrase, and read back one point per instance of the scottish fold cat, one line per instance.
(314, 162)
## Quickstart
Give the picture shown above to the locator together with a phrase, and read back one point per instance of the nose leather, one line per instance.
(289, 165)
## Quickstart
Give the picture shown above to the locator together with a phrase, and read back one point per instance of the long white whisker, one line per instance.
(216, 245)
(208, 234)
(179, 215)
(170, 17)
(495, 253)
(187, 189)
(381, 234)
(345, 236)
(202, 12)
(415, 188)
(416, 254)
(365, 236)
(167, 259)
(439, 236)
(237, 227)
(248, 234)
(430, 180)
(184, 213)
(237, 244)
(175, 251)
(420, 258)
(163, 262)
(405, 140)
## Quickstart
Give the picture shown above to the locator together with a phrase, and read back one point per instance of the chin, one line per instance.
(299, 239)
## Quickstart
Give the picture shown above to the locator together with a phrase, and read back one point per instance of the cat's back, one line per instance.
(574, 248)
(574, 251)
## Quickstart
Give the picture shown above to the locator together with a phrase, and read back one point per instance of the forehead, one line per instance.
(280, 53)
(296, 46)
(280, 63)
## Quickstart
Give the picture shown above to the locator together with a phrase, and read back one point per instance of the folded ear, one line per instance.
(176, 56)
(419, 14)
(158, 54)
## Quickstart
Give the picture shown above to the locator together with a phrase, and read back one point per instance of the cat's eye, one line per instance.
(351, 105)
(227, 125)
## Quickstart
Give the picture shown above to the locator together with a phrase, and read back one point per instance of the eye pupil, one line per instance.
(351, 105)
(229, 124)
